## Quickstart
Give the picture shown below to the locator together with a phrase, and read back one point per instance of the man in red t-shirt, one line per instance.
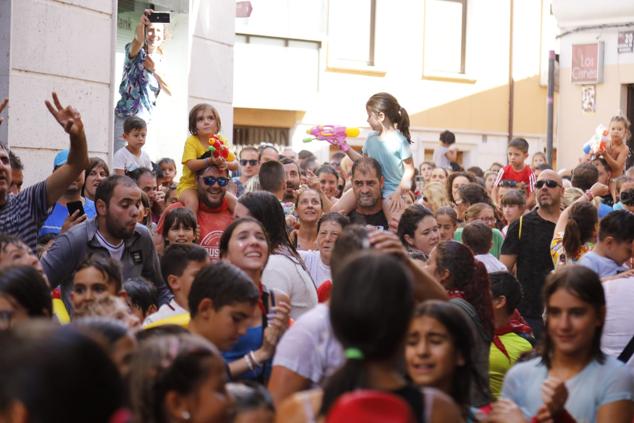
(213, 213)
(516, 172)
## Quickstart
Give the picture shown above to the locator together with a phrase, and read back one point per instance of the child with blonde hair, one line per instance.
(617, 151)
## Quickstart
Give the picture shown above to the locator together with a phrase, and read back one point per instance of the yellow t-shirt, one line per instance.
(499, 364)
(193, 150)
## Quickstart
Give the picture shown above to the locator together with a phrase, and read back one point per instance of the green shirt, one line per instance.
(496, 247)
(499, 363)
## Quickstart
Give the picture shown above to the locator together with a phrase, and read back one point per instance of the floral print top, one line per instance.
(139, 88)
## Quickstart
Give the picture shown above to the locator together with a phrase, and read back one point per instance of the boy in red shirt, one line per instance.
(517, 171)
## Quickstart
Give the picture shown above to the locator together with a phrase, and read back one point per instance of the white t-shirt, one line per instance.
(618, 329)
(127, 161)
(309, 347)
(491, 263)
(319, 271)
(287, 275)
(440, 160)
(116, 251)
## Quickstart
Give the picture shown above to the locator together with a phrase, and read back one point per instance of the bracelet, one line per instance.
(250, 363)
(255, 361)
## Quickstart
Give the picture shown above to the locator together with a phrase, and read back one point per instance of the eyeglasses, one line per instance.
(211, 180)
(548, 182)
(627, 197)
(244, 162)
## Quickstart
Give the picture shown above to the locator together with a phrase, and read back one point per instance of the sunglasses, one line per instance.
(211, 180)
(548, 182)
(244, 162)
(627, 197)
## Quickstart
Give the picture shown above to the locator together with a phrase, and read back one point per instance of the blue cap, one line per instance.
(60, 158)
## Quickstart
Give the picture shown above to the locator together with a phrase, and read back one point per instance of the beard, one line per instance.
(204, 198)
(289, 193)
(366, 201)
(117, 230)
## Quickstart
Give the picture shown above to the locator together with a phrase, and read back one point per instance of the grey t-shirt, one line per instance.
(440, 160)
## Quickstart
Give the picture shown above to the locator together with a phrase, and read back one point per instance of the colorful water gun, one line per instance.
(219, 149)
(335, 135)
(598, 143)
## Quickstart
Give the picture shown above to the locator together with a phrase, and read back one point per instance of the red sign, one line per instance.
(587, 63)
(243, 9)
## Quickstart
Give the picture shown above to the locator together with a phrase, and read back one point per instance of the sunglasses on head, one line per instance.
(548, 182)
(627, 197)
(243, 162)
(211, 180)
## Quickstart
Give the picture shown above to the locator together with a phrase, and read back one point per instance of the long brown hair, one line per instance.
(469, 276)
(580, 228)
(584, 284)
(388, 105)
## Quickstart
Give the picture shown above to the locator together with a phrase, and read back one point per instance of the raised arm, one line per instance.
(354, 154)
(597, 190)
(61, 178)
(426, 287)
(3, 104)
(139, 33)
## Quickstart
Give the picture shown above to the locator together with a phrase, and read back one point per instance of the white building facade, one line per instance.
(71, 47)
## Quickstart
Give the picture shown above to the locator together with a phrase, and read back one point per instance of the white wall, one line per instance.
(70, 47)
(66, 47)
(211, 68)
(575, 127)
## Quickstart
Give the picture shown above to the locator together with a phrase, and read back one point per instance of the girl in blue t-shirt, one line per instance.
(388, 144)
(573, 380)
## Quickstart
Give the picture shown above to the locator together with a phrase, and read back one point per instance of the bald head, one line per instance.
(549, 196)
(550, 174)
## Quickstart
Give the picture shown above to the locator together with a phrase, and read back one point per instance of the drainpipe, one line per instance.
(550, 106)
(511, 81)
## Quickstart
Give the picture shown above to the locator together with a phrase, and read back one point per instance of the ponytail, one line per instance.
(572, 239)
(349, 377)
(580, 227)
(403, 124)
(388, 104)
(469, 276)
(478, 294)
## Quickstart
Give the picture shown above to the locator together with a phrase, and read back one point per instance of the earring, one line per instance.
(185, 414)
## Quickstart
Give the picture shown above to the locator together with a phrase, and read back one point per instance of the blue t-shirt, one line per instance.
(57, 216)
(390, 153)
(602, 266)
(596, 385)
(604, 210)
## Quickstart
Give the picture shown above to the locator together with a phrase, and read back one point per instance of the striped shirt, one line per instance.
(23, 214)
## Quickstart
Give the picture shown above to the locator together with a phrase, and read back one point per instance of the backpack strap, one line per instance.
(519, 234)
(627, 352)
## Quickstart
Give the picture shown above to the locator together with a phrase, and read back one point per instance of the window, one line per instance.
(445, 36)
(351, 31)
(254, 135)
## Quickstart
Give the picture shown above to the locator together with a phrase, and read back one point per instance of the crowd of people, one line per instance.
(272, 287)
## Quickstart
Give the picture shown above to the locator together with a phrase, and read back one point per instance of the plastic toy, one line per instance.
(598, 143)
(335, 135)
(219, 149)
